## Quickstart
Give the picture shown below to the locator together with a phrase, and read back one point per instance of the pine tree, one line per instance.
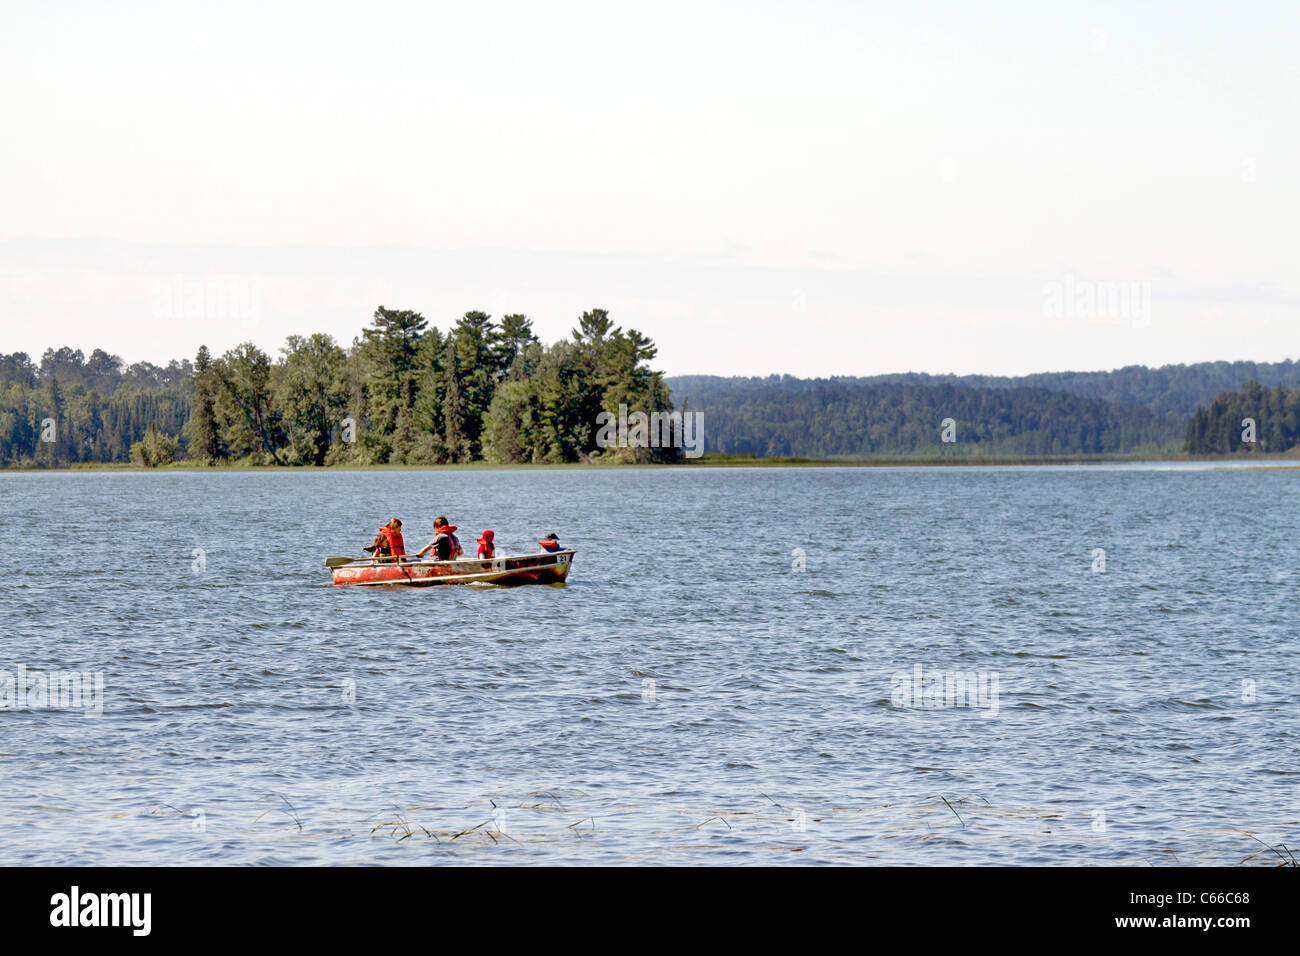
(390, 349)
(201, 429)
(453, 408)
(516, 337)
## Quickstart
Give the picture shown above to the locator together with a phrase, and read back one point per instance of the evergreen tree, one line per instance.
(517, 341)
(453, 409)
(390, 350)
(428, 419)
(476, 364)
(202, 430)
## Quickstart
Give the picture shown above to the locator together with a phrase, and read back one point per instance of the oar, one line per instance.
(339, 562)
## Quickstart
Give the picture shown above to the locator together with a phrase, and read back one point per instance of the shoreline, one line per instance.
(1243, 462)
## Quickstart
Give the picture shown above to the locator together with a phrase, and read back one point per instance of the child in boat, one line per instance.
(456, 550)
(550, 543)
(486, 549)
(445, 545)
(388, 542)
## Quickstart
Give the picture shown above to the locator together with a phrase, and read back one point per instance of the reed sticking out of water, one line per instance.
(1288, 858)
(291, 812)
(954, 812)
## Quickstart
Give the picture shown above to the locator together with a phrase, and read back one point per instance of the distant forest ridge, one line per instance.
(1177, 390)
(832, 420)
(490, 391)
(1134, 410)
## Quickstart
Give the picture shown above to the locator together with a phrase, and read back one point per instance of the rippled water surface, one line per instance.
(690, 696)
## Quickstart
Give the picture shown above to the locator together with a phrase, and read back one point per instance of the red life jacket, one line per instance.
(396, 546)
(550, 545)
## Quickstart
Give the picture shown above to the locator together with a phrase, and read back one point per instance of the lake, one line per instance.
(958, 665)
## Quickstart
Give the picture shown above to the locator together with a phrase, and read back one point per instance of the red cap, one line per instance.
(487, 536)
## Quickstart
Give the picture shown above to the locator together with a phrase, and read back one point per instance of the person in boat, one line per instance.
(550, 543)
(388, 543)
(486, 548)
(456, 550)
(445, 545)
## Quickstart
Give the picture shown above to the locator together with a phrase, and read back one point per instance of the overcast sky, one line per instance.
(813, 188)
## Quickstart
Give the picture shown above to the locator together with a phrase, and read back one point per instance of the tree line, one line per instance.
(406, 392)
(1171, 392)
(821, 418)
(1253, 419)
(69, 408)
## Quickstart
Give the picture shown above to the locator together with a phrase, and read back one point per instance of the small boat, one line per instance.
(545, 568)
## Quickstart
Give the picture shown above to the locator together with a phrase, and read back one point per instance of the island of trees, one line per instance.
(403, 393)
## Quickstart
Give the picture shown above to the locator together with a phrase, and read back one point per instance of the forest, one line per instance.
(1251, 420)
(1170, 392)
(832, 419)
(71, 408)
(405, 392)
(1129, 411)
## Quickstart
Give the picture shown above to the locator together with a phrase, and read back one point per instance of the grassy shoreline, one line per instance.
(711, 460)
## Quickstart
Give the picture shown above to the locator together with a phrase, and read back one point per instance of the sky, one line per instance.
(816, 189)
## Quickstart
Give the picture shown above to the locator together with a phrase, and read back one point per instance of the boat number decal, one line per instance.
(562, 559)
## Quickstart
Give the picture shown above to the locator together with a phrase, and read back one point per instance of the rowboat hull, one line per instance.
(546, 568)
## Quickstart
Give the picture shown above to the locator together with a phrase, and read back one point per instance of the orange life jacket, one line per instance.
(396, 546)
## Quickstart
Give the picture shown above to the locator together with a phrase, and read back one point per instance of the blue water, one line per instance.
(692, 695)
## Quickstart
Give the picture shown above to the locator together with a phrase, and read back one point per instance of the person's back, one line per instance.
(550, 544)
(442, 545)
(486, 547)
(445, 545)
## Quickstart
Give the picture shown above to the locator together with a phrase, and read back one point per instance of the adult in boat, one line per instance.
(445, 545)
(550, 543)
(486, 549)
(388, 542)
